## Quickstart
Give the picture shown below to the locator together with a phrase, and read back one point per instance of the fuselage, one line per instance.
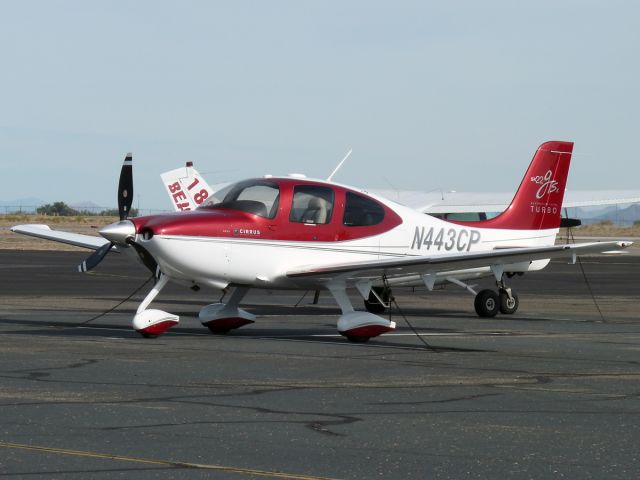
(265, 227)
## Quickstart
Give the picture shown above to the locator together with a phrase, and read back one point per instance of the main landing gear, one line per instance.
(489, 302)
(359, 327)
(373, 304)
(220, 318)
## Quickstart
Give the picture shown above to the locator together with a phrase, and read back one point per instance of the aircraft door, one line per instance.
(312, 212)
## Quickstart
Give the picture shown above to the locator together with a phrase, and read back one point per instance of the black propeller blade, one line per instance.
(95, 258)
(125, 188)
(125, 199)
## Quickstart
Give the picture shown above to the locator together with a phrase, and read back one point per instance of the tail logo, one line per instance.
(547, 185)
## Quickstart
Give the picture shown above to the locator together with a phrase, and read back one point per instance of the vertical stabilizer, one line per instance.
(537, 204)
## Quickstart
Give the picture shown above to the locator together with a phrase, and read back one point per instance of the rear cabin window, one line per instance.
(361, 211)
(256, 197)
(311, 204)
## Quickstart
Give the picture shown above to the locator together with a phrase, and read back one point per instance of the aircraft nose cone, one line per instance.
(119, 232)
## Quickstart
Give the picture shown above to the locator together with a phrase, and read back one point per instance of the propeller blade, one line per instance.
(125, 187)
(95, 258)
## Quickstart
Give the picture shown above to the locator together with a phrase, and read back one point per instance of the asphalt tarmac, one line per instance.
(550, 392)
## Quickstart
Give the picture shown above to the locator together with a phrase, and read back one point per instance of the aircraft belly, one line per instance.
(267, 263)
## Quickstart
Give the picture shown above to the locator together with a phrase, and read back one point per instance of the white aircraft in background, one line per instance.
(469, 206)
(294, 233)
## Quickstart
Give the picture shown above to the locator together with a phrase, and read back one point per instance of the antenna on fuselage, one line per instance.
(339, 165)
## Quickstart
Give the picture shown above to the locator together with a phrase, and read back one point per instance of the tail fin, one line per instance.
(537, 204)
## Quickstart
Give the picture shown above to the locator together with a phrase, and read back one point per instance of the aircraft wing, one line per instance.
(420, 265)
(592, 198)
(45, 232)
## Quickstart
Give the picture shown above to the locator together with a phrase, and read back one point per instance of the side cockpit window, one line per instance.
(361, 211)
(257, 197)
(312, 204)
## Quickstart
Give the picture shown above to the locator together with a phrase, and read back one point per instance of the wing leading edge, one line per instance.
(419, 265)
(76, 239)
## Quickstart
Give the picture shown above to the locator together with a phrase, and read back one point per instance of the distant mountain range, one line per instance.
(615, 214)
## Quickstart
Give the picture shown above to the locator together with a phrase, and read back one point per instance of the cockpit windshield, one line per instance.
(258, 197)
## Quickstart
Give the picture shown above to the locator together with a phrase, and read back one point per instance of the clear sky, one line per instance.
(452, 95)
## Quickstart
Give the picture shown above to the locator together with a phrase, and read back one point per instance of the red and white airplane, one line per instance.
(297, 233)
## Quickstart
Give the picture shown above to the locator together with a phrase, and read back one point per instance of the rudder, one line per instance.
(537, 204)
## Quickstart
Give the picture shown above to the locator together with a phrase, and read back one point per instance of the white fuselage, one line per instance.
(219, 262)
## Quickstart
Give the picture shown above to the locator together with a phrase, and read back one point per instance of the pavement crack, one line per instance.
(44, 373)
(445, 400)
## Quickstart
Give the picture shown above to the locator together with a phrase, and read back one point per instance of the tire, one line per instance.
(507, 306)
(487, 303)
(372, 305)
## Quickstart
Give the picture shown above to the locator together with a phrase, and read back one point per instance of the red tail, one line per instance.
(537, 204)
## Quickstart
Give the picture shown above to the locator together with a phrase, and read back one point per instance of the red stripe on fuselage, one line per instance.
(225, 223)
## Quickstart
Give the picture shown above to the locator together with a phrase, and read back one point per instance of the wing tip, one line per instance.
(29, 226)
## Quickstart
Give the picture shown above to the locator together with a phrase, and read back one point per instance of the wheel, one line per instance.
(487, 303)
(372, 304)
(357, 339)
(508, 305)
(149, 335)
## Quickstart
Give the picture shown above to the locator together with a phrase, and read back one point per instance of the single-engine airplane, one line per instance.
(298, 233)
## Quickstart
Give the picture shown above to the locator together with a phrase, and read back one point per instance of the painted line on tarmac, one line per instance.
(165, 463)
(609, 263)
(386, 335)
